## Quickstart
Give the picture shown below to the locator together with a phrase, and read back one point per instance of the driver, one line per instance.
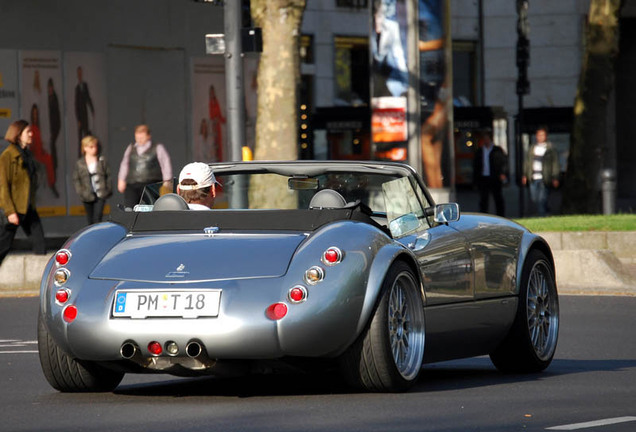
(197, 186)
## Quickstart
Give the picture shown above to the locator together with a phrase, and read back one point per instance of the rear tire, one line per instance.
(532, 340)
(67, 374)
(388, 356)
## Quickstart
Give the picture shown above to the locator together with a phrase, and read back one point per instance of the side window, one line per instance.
(404, 212)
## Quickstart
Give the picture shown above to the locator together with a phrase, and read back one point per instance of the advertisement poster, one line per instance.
(435, 100)
(41, 106)
(9, 103)
(389, 79)
(209, 109)
(86, 114)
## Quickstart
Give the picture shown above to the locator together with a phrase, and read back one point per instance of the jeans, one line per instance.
(539, 196)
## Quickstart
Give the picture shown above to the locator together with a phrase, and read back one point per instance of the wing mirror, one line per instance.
(445, 213)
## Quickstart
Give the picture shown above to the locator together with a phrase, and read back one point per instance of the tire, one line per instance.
(532, 340)
(66, 374)
(388, 355)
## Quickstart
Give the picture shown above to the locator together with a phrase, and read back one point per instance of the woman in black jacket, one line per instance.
(91, 179)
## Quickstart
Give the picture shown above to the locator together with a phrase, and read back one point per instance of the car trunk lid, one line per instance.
(175, 258)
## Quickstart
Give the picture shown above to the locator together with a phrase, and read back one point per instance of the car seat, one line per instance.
(171, 201)
(327, 199)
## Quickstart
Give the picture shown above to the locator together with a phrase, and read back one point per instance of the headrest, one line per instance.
(327, 198)
(170, 201)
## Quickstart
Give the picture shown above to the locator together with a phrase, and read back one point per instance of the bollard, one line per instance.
(608, 186)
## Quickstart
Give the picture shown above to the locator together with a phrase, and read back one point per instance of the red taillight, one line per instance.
(70, 313)
(62, 257)
(276, 311)
(332, 256)
(155, 348)
(62, 295)
(297, 294)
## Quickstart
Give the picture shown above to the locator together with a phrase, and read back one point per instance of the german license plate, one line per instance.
(160, 303)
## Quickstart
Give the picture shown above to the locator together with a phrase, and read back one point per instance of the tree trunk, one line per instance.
(588, 143)
(278, 78)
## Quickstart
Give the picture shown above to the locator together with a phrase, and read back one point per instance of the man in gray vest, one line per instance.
(144, 162)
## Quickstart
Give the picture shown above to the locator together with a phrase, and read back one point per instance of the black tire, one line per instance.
(532, 340)
(69, 375)
(388, 355)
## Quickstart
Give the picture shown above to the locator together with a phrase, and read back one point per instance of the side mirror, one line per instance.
(445, 213)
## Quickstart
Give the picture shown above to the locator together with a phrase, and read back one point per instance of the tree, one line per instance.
(588, 143)
(278, 78)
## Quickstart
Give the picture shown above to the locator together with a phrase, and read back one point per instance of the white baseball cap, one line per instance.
(199, 172)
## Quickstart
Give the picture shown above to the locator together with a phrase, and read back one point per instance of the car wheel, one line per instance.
(532, 340)
(69, 375)
(388, 355)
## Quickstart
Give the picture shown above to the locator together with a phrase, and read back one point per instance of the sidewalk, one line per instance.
(587, 263)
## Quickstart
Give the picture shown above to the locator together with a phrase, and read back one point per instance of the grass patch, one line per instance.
(617, 222)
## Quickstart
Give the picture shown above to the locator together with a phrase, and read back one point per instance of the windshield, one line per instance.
(268, 190)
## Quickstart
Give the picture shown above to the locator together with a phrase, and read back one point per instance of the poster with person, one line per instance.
(9, 91)
(41, 106)
(86, 114)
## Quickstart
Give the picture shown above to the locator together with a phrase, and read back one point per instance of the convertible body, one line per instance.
(348, 263)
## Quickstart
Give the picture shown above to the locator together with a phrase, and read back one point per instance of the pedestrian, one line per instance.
(197, 186)
(91, 179)
(541, 171)
(18, 184)
(143, 163)
(490, 170)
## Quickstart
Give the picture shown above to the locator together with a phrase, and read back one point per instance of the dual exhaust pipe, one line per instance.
(193, 349)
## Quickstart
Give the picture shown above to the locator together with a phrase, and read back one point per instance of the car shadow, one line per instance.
(454, 375)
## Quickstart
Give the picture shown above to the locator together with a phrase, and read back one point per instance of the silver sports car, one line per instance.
(348, 263)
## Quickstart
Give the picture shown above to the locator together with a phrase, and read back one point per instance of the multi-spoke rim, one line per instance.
(406, 326)
(543, 310)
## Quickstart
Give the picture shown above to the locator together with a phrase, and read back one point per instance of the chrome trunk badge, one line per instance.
(179, 273)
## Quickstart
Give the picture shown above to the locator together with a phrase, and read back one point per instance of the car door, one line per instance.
(442, 252)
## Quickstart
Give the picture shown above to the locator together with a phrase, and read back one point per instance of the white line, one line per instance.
(592, 424)
(18, 352)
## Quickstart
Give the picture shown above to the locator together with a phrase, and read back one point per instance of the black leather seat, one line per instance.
(170, 201)
(327, 199)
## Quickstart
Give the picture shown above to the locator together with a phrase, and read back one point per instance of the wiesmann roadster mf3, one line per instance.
(349, 264)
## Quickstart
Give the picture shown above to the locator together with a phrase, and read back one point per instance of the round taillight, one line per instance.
(61, 275)
(297, 294)
(314, 275)
(62, 257)
(62, 295)
(155, 348)
(70, 313)
(172, 348)
(276, 311)
(332, 256)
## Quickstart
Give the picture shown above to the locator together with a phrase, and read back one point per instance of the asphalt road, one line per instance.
(590, 386)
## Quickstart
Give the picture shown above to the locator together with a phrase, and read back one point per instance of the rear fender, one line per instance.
(383, 261)
(87, 248)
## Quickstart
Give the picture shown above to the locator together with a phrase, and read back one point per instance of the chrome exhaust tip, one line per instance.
(128, 350)
(194, 349)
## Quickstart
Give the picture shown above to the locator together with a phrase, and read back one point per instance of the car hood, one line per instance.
(175, 258)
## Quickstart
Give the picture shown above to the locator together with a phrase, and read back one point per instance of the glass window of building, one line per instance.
(351, 70)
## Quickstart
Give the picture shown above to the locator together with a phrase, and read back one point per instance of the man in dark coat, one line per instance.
(491, 173)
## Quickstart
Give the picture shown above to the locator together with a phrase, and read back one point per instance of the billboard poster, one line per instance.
(86, 114)
(41, 81)
(389, 78)
(435, 93)
(9, 103)
(209, 109)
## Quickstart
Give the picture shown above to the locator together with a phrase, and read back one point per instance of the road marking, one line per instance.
(595, 423)
(14, 343)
